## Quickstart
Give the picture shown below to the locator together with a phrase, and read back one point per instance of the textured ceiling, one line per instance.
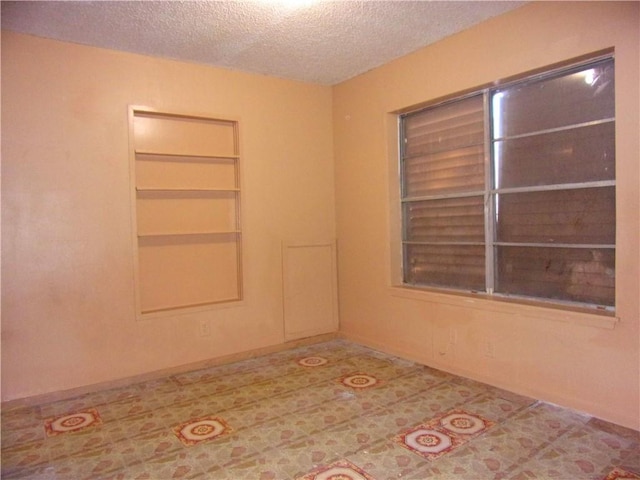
(324, 42)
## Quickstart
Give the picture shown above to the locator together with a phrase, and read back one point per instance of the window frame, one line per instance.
(491, 191)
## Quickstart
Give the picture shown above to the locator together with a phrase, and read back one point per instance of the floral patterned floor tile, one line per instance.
(177, 465)
(72, 422)
(22, 417)
(388, 421)
(370, 361)
(461, 466)
(582, 452)
(430, 442)
(273, 434)
(256, 467)
(145, 447)
(327, 391)
(254, 415)
(309, 377)
(275, 387)
(115, 394)
(354, 406)
(359, 381)
(386, 460)
(616, 430)
(342, 469)
(584, 439)
(631, 460)
(213, 457)
(314, 419)
(622, 474)
(347, 439)
(413, 383)
(538, 426)
(194, 409)
(443, 434)
(306, 398)
(420, 408)
(373, 389)
(210, 403)
(446, 396)
(497, 408)
(549, 465)
(522, 400)
(23, 435)
(23, 457)
(299, 457)
(292, 420)
(313, 361)
(64, 407)
(507, 445)
(169, 399)
(71, 445)
(144, 424)
(122, 409)
(200, 430)
(91, 464)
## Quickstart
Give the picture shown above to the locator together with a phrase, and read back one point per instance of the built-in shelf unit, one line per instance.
(186, 194)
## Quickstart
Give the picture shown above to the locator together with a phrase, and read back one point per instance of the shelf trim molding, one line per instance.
(186, 190)
(187, 155)
(178, 234)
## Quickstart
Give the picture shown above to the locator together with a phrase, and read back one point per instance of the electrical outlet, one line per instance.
(205, 329)
(489, 349)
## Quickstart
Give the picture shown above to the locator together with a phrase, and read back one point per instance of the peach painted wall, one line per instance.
(68, 317)
(586, 362)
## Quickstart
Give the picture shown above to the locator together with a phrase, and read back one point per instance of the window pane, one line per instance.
(445, 266)
(446, 127)
(570, 156)
(449, 220)
(452, 171)
(580, 275)
(582, 216)
(578, 97)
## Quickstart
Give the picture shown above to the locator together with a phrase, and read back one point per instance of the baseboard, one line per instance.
(579, 405)
(126, 382)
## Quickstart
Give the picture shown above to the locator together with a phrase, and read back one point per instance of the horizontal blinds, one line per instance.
(444, 149)
(452, 266)
(448, 127)
(446, 172)
(448, 220)
(443, 195)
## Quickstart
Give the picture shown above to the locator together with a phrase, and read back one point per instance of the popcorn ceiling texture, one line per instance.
(325, 42)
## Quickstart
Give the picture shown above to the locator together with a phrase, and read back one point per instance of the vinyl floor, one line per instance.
(329, 411)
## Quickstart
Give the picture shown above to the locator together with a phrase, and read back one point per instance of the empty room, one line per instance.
(309, 240)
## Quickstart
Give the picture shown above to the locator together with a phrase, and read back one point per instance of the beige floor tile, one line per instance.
(288, 420)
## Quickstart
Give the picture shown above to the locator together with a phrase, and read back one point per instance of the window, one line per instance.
(511, 190)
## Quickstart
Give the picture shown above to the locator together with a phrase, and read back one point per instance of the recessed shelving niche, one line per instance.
(186, 190)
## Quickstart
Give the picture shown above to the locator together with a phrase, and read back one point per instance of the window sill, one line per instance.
(480, 301)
